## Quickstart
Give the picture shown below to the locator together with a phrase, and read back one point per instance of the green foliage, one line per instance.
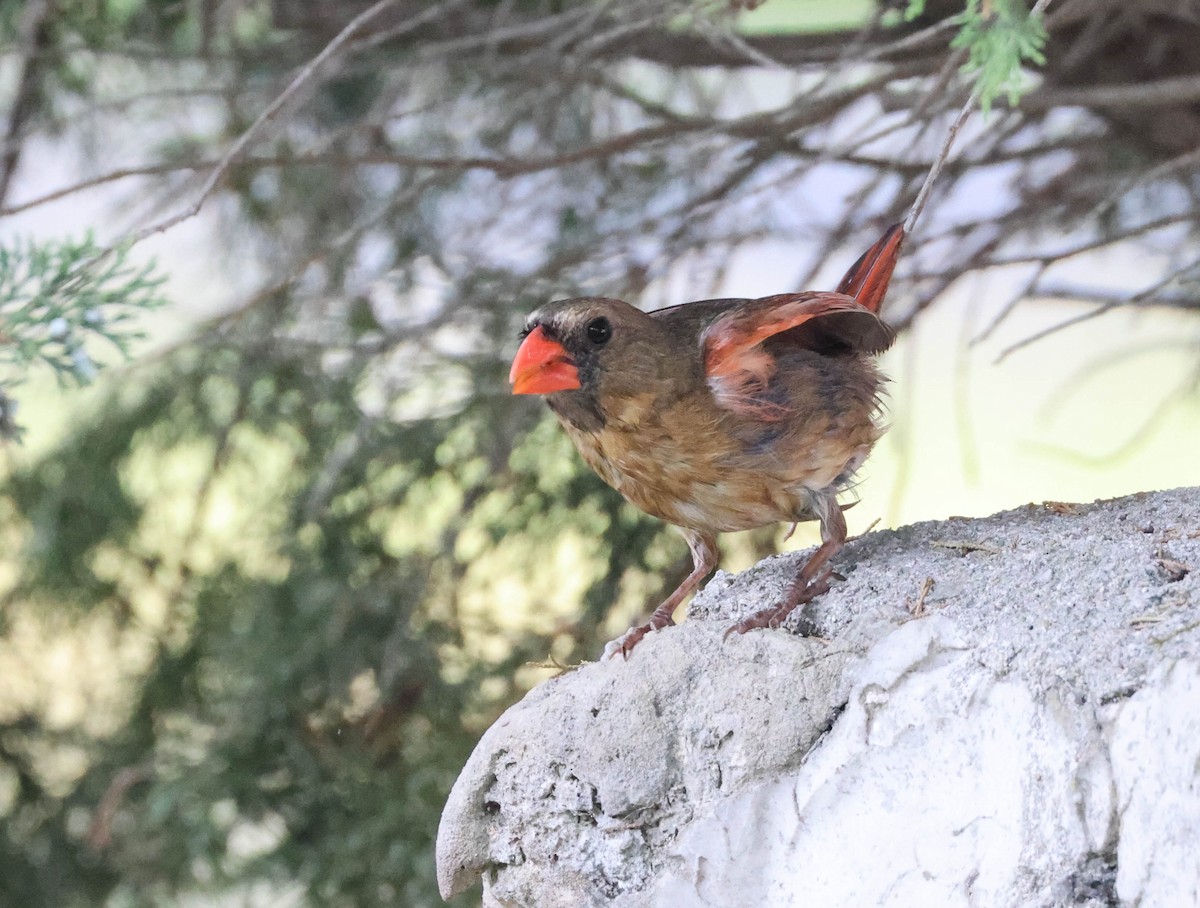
(1000, 36)
(313, 677)
(58, 299)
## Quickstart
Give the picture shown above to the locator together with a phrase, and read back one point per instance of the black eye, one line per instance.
(599, 331)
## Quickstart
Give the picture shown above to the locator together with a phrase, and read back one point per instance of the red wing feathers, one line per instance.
(739, 368)
(867, 279)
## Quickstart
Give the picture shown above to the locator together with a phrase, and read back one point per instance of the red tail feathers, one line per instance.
(867, 279)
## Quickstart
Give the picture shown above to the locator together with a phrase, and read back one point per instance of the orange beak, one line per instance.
(542, 366)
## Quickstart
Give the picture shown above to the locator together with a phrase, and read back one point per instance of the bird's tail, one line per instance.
(867, 279)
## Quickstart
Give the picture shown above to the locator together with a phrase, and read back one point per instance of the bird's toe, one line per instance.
(623, 645)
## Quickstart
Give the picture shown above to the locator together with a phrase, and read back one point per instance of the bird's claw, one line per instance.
(758, 619)
(624, 644)
(774, 617)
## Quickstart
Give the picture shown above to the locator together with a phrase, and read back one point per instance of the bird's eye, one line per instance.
(599, 331)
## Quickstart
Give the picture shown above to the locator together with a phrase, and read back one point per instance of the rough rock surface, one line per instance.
(1026, 733)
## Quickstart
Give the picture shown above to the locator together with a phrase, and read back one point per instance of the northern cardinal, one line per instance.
(722, 415)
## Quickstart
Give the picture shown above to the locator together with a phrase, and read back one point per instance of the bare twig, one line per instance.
(923, 195)
(99, 833)
(1159, 93)
(965, 545)
(934, 171)
(1013, 301)
(1147, 294)
(273, 109)
(916, 607)
(1185, 162)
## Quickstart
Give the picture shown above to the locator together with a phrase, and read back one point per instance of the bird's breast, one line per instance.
(692, 472)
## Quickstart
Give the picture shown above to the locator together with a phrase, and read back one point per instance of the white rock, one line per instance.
(1156, 762)
(1022, 745)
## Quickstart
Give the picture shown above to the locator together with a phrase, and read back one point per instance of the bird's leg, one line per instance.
(704, 560)
(814, 577)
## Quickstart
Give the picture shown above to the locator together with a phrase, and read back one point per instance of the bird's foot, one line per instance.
(624, 644)
(775, 616)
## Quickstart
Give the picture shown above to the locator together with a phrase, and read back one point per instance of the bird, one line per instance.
(722, 415)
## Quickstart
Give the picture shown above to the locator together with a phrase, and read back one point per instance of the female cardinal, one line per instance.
(722, 415)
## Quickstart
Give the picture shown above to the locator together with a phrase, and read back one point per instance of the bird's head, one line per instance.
(587, 355)
(591, 345)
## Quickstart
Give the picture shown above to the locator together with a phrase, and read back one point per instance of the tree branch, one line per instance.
(273, 109)
(35, 40)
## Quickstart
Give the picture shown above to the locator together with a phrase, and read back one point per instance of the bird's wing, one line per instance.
(739, 367)
(867, 279)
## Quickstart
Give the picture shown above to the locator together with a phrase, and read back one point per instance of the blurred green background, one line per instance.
(262, 588)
